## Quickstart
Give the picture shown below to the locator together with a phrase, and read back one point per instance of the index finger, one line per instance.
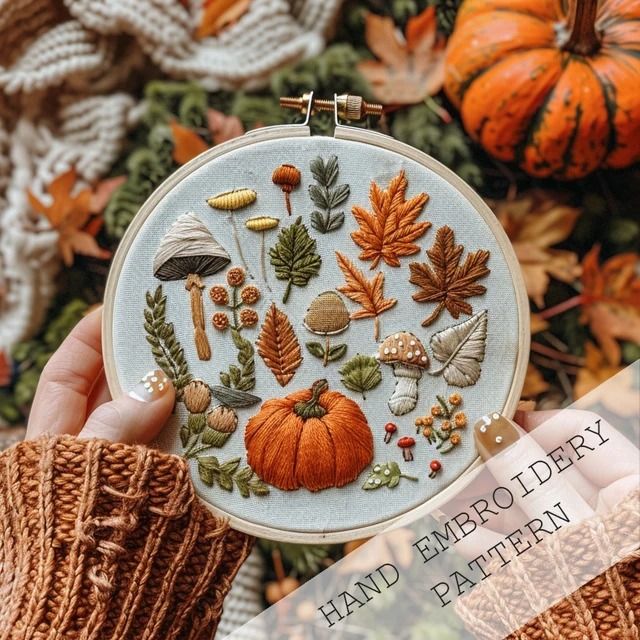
(60, 403)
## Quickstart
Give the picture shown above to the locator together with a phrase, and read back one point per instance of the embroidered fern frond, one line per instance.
(327, 195)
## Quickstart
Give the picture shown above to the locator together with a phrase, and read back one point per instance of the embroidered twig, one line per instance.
(448, 282)
(327, 195)
(388, 232)
(278, 345)
(369, 294)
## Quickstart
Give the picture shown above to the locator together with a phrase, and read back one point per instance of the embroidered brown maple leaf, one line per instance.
(388, 231)
(367, 293)
(448, 282)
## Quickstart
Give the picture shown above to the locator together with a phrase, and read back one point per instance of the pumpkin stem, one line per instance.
(583, 38)
(312, 408)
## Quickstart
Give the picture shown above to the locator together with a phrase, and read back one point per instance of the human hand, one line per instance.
(72, 396)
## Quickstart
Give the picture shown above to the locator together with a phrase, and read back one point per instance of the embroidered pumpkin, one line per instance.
(313, 438)
(554, 90)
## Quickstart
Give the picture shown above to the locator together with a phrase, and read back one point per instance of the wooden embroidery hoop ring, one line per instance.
(375, 139)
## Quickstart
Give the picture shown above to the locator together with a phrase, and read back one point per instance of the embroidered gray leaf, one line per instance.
(361, 374)
(235, 398)
(326, 195)
(461, 350)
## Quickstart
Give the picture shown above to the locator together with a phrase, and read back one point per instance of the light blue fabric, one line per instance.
(251, 166)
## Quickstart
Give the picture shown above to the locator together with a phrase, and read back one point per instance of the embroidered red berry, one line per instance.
(390, 429)
(406, 444)
(435, 467)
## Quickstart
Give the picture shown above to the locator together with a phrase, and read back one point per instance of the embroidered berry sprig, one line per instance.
(327, 195)
(385, 475)
(446, 434)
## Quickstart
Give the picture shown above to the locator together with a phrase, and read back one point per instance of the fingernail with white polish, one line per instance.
(153, 386)
(494, 433)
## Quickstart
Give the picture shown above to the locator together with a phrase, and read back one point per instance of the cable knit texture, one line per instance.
(108, 541)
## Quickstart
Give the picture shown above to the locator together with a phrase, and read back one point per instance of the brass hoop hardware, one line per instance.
(348, 107)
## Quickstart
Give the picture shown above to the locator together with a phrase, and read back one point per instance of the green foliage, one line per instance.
(294, 257)
(225, 475)
(305, 560)
(361, 374)
(243, 377)
(334, 352)
(421, 127)
(327, 195)
(385, 475)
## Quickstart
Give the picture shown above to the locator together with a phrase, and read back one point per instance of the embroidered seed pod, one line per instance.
(219, 295)
(248, 318)
(235, 276)
(221, 423)
(287, 177)
(405, 353)
(197, 396)
(262, 224)
(314, 438)
(220, 320)
(326, 316)
(250, 294)
(231, 201)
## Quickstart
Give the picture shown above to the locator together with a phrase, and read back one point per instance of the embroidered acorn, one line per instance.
(326, 316)
(221, 423)
(287, 177)
(313, 438)
(262, 224)
(389, 430)
(407, 443)
(231, 201)
(196, 396)
(408, 357)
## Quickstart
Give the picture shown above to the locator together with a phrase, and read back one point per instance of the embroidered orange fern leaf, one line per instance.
(367, 293)
(278, 345)
(389, 230)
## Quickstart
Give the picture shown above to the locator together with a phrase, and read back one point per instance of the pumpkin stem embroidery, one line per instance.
(405, 353)
(311, 408)
(327, 195)
(232, 201)
(287, 177)
(326, 316)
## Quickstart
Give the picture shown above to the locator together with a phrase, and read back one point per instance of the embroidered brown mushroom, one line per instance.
(408, 357)
(189, 252)
(327, 316)
(287, 177)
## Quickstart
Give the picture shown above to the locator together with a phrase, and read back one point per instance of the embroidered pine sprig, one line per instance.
(388, 232)
(327, 195)
(242, 378)
(385, 475)
(369, 294)
(448, 282)
(226, 474)
(165, 347)
(361, 374)
(294, 257)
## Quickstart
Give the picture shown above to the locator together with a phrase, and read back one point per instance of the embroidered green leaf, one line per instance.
(331, 354)
(327, 195)
(385, 475)
(315, 349)
(225, 475)
(294, 257)
(461, 349)
(165, 347)
(361, 374)
(242, 378)
(214, 438)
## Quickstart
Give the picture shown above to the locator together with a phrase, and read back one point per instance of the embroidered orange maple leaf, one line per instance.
(448, 283)
(367, 293)
(219, 14)
(611, 300)
(72, 216)
(389, 230)
(409, 70)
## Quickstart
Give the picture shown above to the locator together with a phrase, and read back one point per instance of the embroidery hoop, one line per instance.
(378, 141)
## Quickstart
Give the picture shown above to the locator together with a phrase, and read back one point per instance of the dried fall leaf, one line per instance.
(223, 127)
(278, 345)
(186, 143)
(611, 300)
(71, 216)
(409, 70)
(388, 232)
(448, 282)
(534, 383)
(5, 369)
(102, 193)
(369, 294)
(219, 14)
(534, 223)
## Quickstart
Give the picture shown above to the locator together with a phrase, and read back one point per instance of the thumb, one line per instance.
(136, 417)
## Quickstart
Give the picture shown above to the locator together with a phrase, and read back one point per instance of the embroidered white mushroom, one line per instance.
(408, 357)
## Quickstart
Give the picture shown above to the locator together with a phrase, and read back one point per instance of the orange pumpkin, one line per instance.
(313, 438)
(554, 89)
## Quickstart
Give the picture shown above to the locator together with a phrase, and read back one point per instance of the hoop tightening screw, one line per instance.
(352, 108)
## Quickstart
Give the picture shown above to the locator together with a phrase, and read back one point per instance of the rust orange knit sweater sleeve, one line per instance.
(104, 541)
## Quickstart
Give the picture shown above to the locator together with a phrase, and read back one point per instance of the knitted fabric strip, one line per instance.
(108, 541)
(63, 69)
(606, 608)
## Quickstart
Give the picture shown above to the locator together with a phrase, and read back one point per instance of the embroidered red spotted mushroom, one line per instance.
(408, 357)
